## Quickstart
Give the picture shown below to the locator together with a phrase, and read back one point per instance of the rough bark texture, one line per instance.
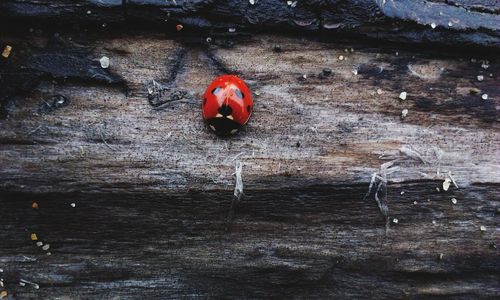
(465, 22)
(342, 196)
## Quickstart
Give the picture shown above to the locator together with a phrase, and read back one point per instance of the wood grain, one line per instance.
(461, 23)
(152, 186)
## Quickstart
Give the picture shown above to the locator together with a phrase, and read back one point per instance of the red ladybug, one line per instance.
(227, 104)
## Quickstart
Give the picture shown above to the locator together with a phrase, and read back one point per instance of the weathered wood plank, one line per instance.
(345, 129)
(458, 23)
(152, 186)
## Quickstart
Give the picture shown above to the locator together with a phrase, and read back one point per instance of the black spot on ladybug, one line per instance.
(239, 93)
(249, 108)
(225, 110)
(216, 90)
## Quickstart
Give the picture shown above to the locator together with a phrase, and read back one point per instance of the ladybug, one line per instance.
(227, 104)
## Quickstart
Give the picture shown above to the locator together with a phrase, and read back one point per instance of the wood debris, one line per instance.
(404, 113)
(446, 184)
(6, 51)
(238, 187)
(474, 90)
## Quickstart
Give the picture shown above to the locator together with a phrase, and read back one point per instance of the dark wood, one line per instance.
(459, 23)
(153, 187)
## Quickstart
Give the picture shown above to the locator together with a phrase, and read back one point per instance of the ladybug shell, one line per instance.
(227, 104)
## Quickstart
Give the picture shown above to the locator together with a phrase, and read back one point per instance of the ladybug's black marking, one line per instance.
(225, 110)
(249, 108)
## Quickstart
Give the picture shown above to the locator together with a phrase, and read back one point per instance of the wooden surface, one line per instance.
(153, 187)
(473, 23)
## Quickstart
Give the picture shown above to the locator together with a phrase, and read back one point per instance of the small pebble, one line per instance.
(397, 53)
(89, 12)
(404, 113)
(341, 57)
(232, 30)
(482, 228)
(480, 77)
(22, 283)
(402, 96)
(434, 222)
(327, 71)
(395, 221)
(453, 200)
(441, 255)
(252, 2)
(6, 51)
(34, 237)
(104, 61)
(3, 294)
(48, 253)
(433, 25)
(450, 24)
(209, 40)
(34, 205)
(39, 244)
(73, 205)
(179, 27)
(484, 96)
(46, 247)
(379, 91)
(415, 202)
(485, 65)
